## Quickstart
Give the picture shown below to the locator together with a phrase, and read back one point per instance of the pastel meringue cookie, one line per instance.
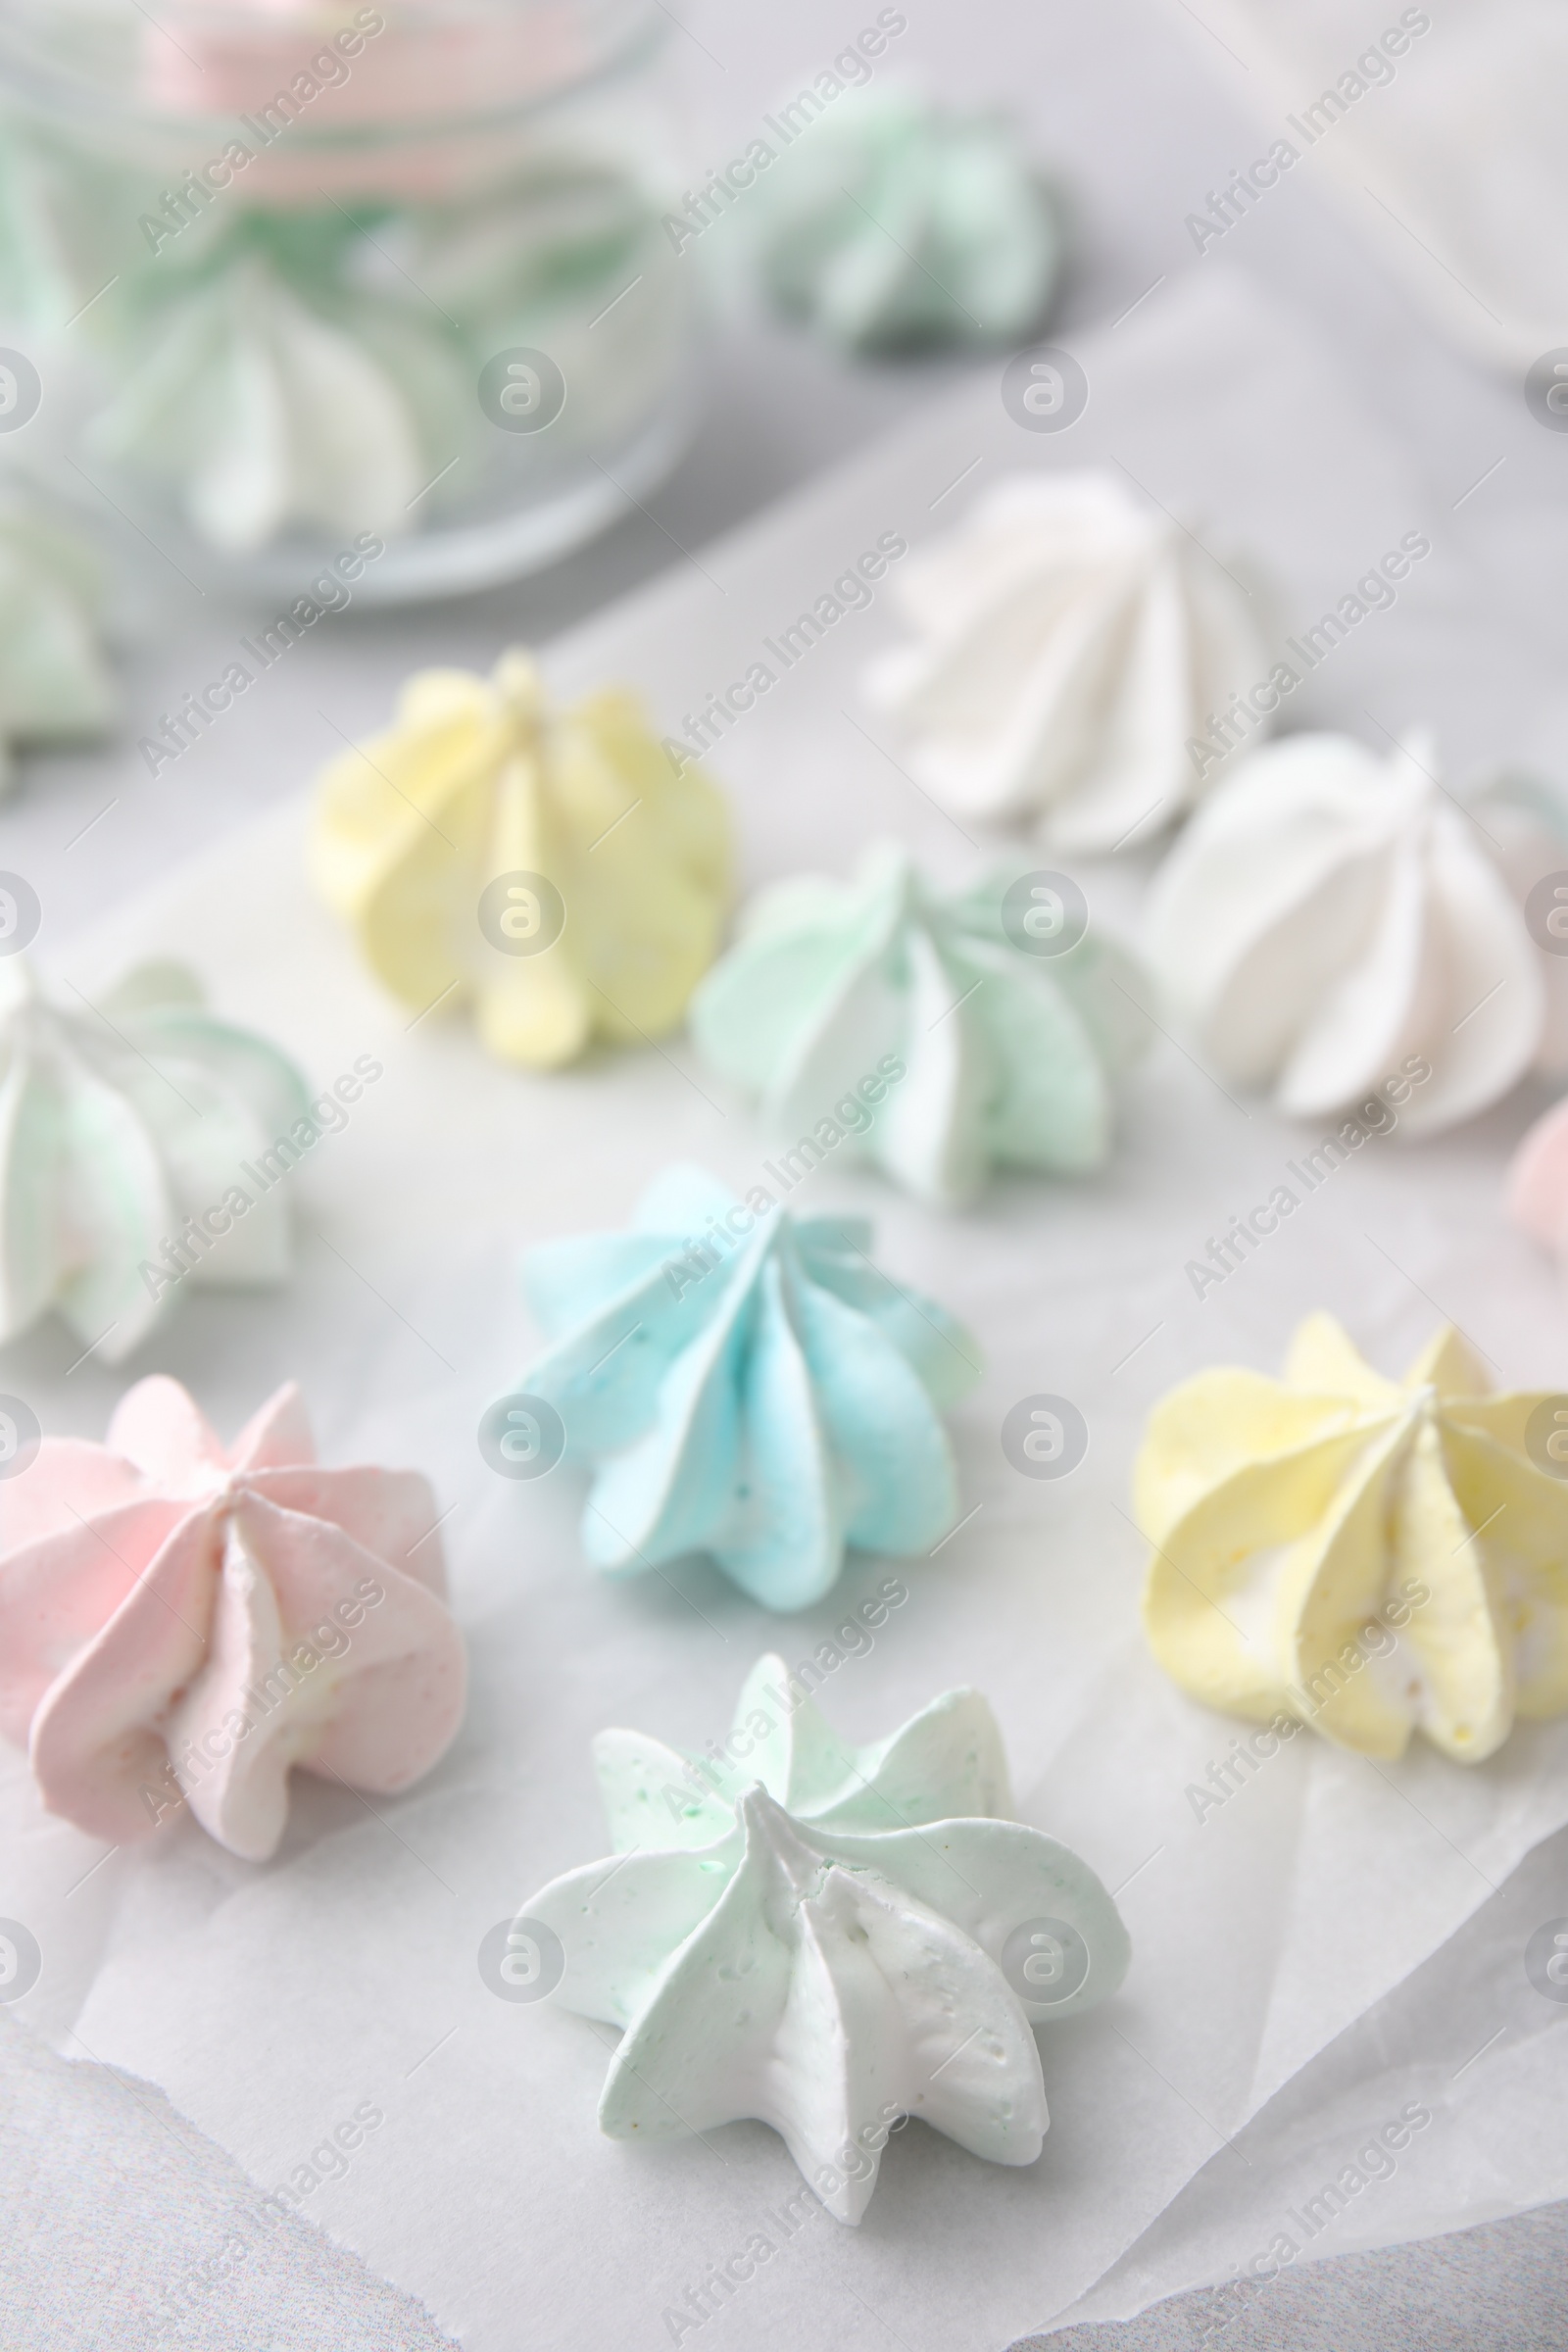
(895, 222)
(1369, 1557)
(1069, 647)
(571, 257)
(55, 685)
(1538, 1183)
(1332, 917)
(583, 832)
(265, 412)
(826, 1938)
(371, 71)
(181, 1626)
(125, 1130)
(747, 1383)
(911, 1025)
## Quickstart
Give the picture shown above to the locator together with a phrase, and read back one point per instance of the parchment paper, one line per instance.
(270, 2002)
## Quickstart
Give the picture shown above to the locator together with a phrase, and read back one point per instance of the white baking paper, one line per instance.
(270, 2001)
(1473, 2040)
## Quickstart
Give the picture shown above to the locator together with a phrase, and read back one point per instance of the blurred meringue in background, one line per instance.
(55, 686)
(1070, 646)
(396, 269)
(892, 223)
(1536, 1189)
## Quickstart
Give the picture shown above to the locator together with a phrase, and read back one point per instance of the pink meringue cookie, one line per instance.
(388, 66)
(179, 1625)
(1537, 1192)
(397, 102)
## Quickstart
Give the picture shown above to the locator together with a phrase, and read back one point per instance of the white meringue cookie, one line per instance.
(829, 1939)
(1070, 645)
(118, 1126)
(1332, 917)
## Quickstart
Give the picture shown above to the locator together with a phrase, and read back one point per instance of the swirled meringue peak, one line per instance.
(553, 868)
(124, 1134)
(181, 1626)
(1332, 917)
(826, 1938)
(1370, 1558)
(55, 686)
(749, 1385)
(1070, 644)
(895, 223)
(938, 1033)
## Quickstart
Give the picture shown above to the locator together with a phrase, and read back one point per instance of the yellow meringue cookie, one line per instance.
(1369, 1557)
(480, 783)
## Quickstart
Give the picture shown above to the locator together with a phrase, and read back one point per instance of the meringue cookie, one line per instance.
(1070, 644)
(578, 817)
(59, 215)
(118, 1127)
(1538, 1183)
(1331, 912)
(571, 258)
(1371, 1557)
(1002, 1059)
(751, 1386)
(435, 88)
(179, 1626)
(895, 222)
(54, 685)
(270, 413)
(814, 1939)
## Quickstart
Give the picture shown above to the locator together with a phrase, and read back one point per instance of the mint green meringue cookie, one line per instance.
(907, 1025)
(55, 687)
(893, 221)
(824, 1937)
(748, 1384)
(122, 1133)
(267, 411)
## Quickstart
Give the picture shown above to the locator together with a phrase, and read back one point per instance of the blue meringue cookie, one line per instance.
(748, 1384)
(944, 1035)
